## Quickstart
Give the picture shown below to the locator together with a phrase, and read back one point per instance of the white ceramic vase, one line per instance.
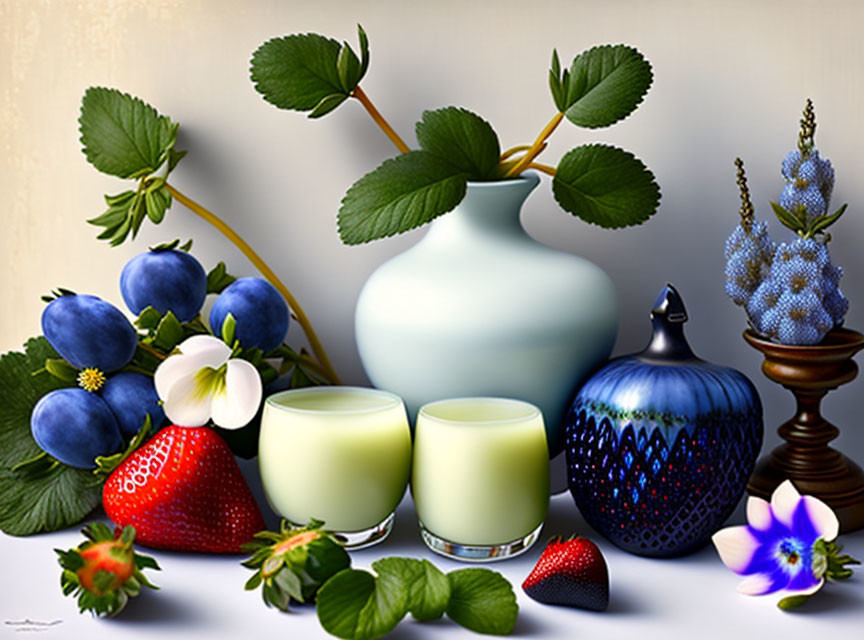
(479, 308)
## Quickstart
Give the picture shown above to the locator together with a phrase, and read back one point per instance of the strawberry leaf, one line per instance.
(122, 135)
(462, 139)
(428, 588)
(605, 84)
(482, 600)
(605, 186)
(355, 605)
(298, 71)
(403, 193)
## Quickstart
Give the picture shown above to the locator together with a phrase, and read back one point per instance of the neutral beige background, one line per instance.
(730, 79)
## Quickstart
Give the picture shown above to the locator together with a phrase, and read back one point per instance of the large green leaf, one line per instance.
(604, 85)
(57, 496)
(297, 71)
(428, 588)
(462, 138)
(355, 605)
(605, 186)
(482, 600)
(58, 499)
(403, 193)
(123, 136)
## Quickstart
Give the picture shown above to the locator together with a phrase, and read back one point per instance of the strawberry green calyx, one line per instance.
(105, 465)
(104, 572)
(293, 563)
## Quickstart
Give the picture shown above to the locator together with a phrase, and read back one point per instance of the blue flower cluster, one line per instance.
(790, 291)
(809, 182)
(749, 251)
(800, 301)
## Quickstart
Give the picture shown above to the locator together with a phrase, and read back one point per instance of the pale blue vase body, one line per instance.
(479, 308)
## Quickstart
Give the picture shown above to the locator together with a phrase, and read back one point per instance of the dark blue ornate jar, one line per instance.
(660, 444)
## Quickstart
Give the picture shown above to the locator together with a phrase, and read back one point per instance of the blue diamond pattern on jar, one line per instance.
(660, 444)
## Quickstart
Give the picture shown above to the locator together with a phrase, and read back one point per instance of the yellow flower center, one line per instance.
(91, 379)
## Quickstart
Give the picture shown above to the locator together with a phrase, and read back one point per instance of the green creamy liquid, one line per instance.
(481, 471)
(338, 455)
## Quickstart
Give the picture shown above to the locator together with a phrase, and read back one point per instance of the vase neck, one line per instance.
(489, 209)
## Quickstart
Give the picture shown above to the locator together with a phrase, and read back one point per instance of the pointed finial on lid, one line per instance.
(669, 305)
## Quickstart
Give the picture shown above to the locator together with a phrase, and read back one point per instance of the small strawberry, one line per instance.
(572, 573)
(105, 571)
(294, 563)
(183, 490)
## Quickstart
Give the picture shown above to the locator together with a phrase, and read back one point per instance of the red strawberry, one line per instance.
(572, 573)
(105, 571)
(183, 490)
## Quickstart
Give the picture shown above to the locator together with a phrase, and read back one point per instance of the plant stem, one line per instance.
(379, 119)
(512, 150)
(504, 167)
(537, 147)
(151, 350)
(267, 272)
(545, 168)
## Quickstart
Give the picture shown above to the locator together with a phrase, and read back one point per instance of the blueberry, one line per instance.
(74, 426)
(130, 396)
(260, 312)
(88, 332)
(165, 279)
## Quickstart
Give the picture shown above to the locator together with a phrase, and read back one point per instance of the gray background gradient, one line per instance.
(730, 79)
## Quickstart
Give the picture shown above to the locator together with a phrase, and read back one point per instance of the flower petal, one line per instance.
(238, 402)
(804, 580)
(184, 406)
(736, 546)
(758, 513)
(198, 343)
(761, 583)
(784, 501)
(203, 354)
(803, 592)
(823, 518)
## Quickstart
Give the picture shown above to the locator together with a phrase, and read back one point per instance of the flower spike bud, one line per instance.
(746, 211)
(807, 134)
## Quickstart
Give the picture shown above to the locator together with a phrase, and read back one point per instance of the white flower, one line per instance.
(202, 382)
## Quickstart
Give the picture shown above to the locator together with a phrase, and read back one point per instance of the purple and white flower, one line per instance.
(786, 548)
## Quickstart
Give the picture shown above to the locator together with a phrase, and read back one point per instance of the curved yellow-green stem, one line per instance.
(536, 148)
(545, 168)
(267, 272)
(379, 119)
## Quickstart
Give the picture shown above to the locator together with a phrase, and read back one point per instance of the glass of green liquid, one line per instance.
(337, 454)
(480, 477)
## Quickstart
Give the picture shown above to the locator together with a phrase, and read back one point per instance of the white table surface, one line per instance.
(202, 596)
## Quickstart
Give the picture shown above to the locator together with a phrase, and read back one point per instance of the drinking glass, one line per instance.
(480, 477)
(337, 454)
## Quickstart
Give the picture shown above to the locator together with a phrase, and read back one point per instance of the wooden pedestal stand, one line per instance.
(810, 372)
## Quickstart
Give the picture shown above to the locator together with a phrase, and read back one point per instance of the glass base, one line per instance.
(361, 539)
(479, 553)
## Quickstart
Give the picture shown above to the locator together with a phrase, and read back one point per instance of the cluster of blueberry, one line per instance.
(74, 425)
(790, 291)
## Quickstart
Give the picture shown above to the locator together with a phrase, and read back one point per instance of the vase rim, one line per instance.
(531, 177)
